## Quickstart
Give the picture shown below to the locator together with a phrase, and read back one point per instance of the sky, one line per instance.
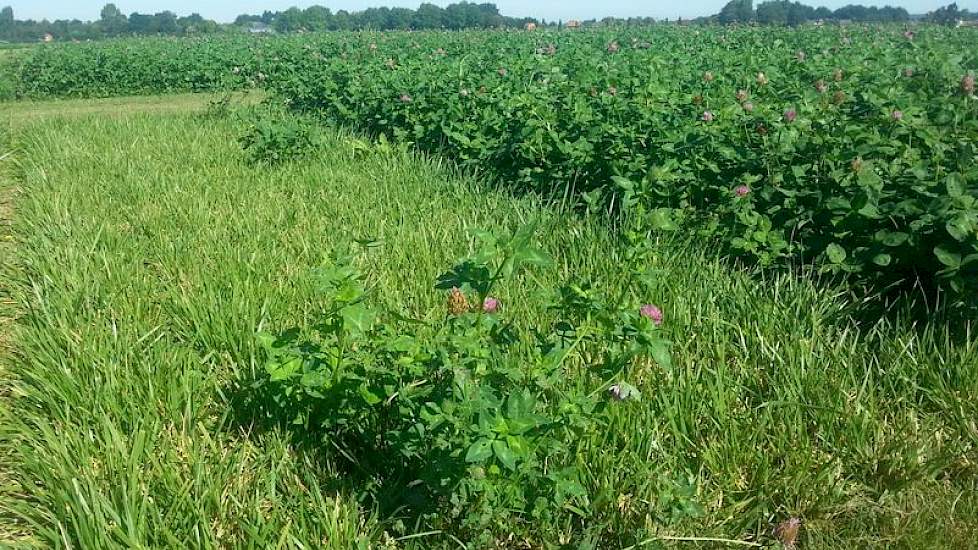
(226, 10)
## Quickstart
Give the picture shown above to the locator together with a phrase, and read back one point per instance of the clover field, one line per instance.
(660, 287)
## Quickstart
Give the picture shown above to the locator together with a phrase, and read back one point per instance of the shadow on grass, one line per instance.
(914, 302)
(407, 491)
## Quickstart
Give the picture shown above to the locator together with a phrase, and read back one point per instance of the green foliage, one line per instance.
(125, 423)
(484, 430)
(113, 23)
(737, 11)
(859, 164)
(950, 15)
(276, 139)
(132, 67)
(881, 143)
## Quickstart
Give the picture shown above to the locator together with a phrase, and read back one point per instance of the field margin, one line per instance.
(8, 314)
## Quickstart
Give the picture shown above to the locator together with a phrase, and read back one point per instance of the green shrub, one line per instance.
(139, 66)
(278, 138)
(473, 432)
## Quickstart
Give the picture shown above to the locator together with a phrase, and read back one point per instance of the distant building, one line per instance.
(258, 27)
(573, 24)
(48, 37)
(531, 26)
(968, 23)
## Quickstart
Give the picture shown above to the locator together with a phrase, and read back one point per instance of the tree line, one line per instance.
(786, 12)
(112, 22)
(464, 15)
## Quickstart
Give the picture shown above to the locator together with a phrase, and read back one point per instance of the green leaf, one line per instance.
(280, 371)
(466, 274)
(532, 256)
(836, 253)
(368, 242)
(357, 318)
(369, 397)
(659, 350)
(838, 203)
(266, 341)
(518, 445)
(504, 454)
(882, 260)
(314, 380)
(960, 228)
(948, 258)
(954, 187)
(895, 238)
(869, 178)
(661, 220)
(520, 405)
(479, 451)
(623, 183)
(869, 210)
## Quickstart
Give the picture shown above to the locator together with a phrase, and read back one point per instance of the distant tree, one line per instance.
(460, 15)
(316, 18)
(288, 20)
(112, 21)
(7, 17)
(245, 20)
(799, 14)
(195, 24)
(889, 13)
(342, 21)
(772, 13)
(853, 13)
(110, 11)
(737, 11)
(140, 23)
(166, 23)
(400, 18)
(429, 16)
(947, 15)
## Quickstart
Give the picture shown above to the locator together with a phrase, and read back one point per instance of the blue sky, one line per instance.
(226, 10)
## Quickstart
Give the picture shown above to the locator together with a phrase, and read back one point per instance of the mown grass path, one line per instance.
(150, 250)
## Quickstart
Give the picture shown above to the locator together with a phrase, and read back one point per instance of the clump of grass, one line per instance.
(146, 266)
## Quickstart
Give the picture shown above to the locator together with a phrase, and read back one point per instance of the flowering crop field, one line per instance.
(852, 148)
(475, 290)
(133, 66)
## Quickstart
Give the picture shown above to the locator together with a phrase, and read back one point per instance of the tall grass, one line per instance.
(150, 251)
